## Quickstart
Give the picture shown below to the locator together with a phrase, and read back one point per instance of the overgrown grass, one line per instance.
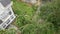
(24, 13)
(24, 22)
(21, 8)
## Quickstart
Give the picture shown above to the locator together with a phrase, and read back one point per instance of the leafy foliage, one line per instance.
(28, 26)
(51, 12)
(46, 28)
(8, 31)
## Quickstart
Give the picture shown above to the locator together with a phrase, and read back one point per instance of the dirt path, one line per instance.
(36, 15)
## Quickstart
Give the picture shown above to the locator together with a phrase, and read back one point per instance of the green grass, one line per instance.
(25, 24)
(21, 8)
(24, 13)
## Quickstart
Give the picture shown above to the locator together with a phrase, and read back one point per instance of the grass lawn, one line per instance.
(24, 22)
(24, 13)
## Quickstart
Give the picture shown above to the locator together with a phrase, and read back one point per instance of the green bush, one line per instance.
(46, 28)
(51, 12)
(8, 31)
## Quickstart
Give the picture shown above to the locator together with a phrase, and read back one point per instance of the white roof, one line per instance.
(5, 5)
(5, 2)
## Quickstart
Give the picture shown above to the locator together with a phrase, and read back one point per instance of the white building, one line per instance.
(6, 13)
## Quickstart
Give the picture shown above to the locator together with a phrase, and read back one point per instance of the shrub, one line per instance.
(46, 28)
(8, 31)
(51, 12)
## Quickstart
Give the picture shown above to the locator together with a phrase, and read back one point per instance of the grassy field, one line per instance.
(23, 12)
(26, 25)
(24, 20)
